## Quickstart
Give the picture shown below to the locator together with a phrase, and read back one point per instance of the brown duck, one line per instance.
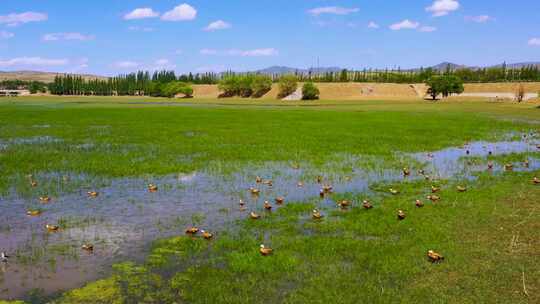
(434, 256)
(419, 203)
(267, 205)
(316, 214)
(367, 205)
(435, 189)
(461, 188)
(152, 188)
(93, 194)
(33, 212)
(44, 199)
(433, 198)
(536, 181)
(207, 235)
(254, 216)
(394, 191)
(406, 172)
(254, 191)
(401, 215)
(344, 203)
(52, 228)
(33, 184)
(88, 247)
(508, 167)
(265, 250)
(258, 179)
(192, 230)
(280, 200)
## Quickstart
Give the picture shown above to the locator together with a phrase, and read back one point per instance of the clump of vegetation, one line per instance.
(33, 86)
(288, 84)
(246, 85)
(310, 91)
(520, 93)
(444, 85)
(172, 89)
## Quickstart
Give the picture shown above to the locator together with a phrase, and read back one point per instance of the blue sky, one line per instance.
(119, 36)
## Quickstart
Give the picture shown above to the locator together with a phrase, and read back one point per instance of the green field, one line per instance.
(489, 235)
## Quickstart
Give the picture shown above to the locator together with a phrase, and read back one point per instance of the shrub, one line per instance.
(261, 85)
(287, 85)
(520, 93)
(171, 89)
(229, 85)
(444, 85)
(310, 91)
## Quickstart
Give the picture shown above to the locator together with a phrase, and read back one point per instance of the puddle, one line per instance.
(125, 218)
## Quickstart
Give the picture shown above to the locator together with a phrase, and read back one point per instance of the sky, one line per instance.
(109, 37)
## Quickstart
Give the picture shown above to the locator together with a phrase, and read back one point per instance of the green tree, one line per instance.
(444, 85)
(261, 85)
(288, 84)
(310, 91)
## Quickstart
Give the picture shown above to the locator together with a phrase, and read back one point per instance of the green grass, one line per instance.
(489, 234)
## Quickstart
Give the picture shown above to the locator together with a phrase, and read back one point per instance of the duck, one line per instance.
(508, 167)
(321, 193)
(207, 235)
(52, 228)
(258, 179)
(419, 203)
(344, 203)
(192, 230)
(468, 152)
(393, 191)
(92, 194)
(242, 203)
(430, 155)
(401, 215)
(538, 146)
(526, 163)
(435, 189)
(269, 183)
(280, 200)
(152, 188)
(406, 171)
(265, 251)
(267, 206)
(490, 166)
(328, 188)
(45, 199)
(536, 180)
(300, 184)
(33, 184)
(367, 204)
(319, 179)
(461, 188)
(434, 256)
(33, 212)
(316, 214)
(4, 258)
(427, 177)
(88, 247)
(433, 198)
(421, 172)
(254, 216)
(254, 191)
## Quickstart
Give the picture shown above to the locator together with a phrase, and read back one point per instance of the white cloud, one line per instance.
(405, 24)
(16, 19)
(217, 25)
(534, 42)
(479, 19)
(335, 10)
(67, 36)
(427, 29)
(140, 29)
(6, 35)
(442, 7)
(164, 64)
(126, 64)
(141, 13)
(182, 12)
(373, 25)
(263, 52)
(208, 52)
(33, 62)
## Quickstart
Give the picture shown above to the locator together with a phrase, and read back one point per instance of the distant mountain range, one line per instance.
(273, 70)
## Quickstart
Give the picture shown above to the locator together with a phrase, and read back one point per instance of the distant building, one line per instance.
(14, 93)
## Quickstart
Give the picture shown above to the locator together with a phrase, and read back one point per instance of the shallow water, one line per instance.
(125, 218)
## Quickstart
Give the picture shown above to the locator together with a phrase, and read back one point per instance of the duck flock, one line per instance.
(317, 215)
